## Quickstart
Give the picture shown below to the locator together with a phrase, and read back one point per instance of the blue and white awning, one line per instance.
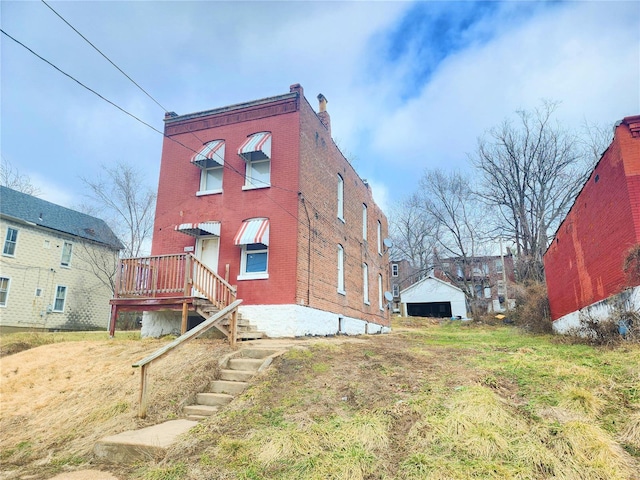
(210, 155)
(256, 147)
(251, 231)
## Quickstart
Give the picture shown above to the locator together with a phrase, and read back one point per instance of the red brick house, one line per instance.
(583, 264)
(260, 194)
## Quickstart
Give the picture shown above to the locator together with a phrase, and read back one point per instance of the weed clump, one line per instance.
(532, 308)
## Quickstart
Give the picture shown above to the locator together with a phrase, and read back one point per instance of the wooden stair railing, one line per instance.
(160, 275)
(145, 363)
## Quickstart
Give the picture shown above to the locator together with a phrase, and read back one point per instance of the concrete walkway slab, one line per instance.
(144, 444)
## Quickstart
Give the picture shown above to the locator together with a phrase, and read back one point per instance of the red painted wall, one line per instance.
(177, 202)
(583, 265)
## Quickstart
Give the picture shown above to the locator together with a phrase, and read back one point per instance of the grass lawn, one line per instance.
(452, 401)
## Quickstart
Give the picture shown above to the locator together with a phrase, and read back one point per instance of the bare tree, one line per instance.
(413, 235)
(531, 170)
(126, 204)
(449, 204)
(12, 178)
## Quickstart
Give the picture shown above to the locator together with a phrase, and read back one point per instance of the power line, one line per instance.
(224, 164)
(107, 58)
(82, 84)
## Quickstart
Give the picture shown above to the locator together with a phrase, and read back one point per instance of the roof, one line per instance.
(430, 278)
(33, 210)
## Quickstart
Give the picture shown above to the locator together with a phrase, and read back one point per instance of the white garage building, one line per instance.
(431, 297)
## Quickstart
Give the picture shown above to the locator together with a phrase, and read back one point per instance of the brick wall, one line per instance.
(322, 231)
(583, 265)
(304, 228)
(36, 265)
(177, 201)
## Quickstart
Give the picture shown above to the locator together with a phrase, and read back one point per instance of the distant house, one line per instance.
(261, 200)
(487, 278)
(432, 297)
(584, 263)
(402, 275)
(46, 272)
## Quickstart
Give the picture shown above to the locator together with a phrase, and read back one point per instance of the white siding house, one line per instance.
(431, 297)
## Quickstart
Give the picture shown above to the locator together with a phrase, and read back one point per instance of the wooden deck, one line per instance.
(168, 282)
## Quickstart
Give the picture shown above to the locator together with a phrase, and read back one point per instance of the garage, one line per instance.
(432, 297)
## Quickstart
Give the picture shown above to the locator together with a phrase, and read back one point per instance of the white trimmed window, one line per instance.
(340, 198)
(365, 283)
(380, 297)
(341, 270)
(396, 290)
(10, 241)
(4, 291)
(59, 300)
(210, 161)
(364, 221)
(255, 261)
(394, 269)
(211, 180)
(256, 152)
(379, 234)
(67, 248)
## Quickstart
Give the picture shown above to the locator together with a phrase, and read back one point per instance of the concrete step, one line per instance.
(228, 386)
(249, 335)
(213, 399)
(256, 352)
(141, 445)
(201, 411)
(244, 364)
(237, 375)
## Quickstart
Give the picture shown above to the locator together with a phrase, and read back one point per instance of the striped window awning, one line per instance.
(256, 147)
(210, 155)
(255, 230)
(199, 229)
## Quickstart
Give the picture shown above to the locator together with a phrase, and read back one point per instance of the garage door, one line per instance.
(431, 309)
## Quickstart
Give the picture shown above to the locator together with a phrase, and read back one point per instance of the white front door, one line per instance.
(207, 252)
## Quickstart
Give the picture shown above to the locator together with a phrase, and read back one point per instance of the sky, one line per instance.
(410, 85)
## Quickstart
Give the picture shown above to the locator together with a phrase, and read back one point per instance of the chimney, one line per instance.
(323, 115)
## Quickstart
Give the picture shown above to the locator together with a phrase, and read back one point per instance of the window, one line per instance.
(211, 179)
(254, 261)
(364, 221)
(256, 152)
(61, 295)
(210, 161)
(499, 266)
(10, 242)
(379, 232)
(341, 270)
(394, 269)
(501, 289)
(38, 292)
(4, 291)
(380, 301)
(66, 254)
(365, 283)
(258, 174)
(340, 198)
(396, 290)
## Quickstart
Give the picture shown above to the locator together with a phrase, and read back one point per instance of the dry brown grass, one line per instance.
(59, 399)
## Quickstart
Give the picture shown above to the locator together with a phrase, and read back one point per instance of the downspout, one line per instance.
(304, 204)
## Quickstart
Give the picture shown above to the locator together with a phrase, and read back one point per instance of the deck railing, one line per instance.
(163, 275)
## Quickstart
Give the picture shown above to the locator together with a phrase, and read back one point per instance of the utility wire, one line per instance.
(107, 58)
(225, 164)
